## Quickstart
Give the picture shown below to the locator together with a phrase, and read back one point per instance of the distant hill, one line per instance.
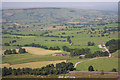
(37, 17)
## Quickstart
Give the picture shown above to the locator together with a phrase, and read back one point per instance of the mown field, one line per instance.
(33, 65)
(39, 51)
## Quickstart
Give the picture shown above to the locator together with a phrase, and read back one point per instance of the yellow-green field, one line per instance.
(32, 64)
(39, 51)
(106, 64)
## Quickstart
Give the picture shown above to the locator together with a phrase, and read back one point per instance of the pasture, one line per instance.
(48, 27)
(26, 58)
(106, 64)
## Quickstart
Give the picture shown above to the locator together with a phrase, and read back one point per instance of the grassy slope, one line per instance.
(106, 64)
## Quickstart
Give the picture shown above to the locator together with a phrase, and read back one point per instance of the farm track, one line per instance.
(87, 60)
(92, 72)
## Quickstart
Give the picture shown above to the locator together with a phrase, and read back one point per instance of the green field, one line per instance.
(50, 28)
(106, 64)
(24, 58)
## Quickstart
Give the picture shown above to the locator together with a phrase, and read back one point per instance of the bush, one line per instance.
(80, 57)
(22, 50)
(6, 44)
(90, 68)
(114, 70)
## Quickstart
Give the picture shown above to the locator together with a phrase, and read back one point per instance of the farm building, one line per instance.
(57, 54)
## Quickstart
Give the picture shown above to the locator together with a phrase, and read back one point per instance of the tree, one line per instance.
(80, 57)
(113, 45)
(13, 41)
(90, 68)
(114, 70)
(21, 50)
(6, 44)
(14, 51)
(91, 44)
(54, 26)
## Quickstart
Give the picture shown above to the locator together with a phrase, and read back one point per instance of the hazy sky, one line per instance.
(60, 0)
(111, 6)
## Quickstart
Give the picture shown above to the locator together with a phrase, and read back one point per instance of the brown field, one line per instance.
(9, 14)
(33, 64)
(39, 51)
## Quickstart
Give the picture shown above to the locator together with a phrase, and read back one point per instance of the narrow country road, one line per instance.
(87, 60)
(92, 72)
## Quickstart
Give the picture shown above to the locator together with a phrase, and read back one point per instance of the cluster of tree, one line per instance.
(91, 44)
(51, 36)
(92, 29)
(6, 44)
(77, 52)
(79, 32)
(20, 34)
(54, 26)
(10, 37)
(65, 48)
(113, 45)
(56, 36)
(61, 68)
(84, 51)
(68, 39)
(20, 51)
(43, 33)
(13, 41)
(96, 54)
(42, 46)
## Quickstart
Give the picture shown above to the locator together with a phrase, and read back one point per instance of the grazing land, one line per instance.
(45, 31)
(25, 58)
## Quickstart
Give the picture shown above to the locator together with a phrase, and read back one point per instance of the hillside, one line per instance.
(41, 17)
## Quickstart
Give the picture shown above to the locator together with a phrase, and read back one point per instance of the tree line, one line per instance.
(9, 51)
(42, 46)
(84, 51)
(61, 68)
(113, 45)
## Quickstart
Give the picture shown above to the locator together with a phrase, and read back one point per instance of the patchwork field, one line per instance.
(39, 51)
(72, 31)
(26, 58)
(33, 64)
